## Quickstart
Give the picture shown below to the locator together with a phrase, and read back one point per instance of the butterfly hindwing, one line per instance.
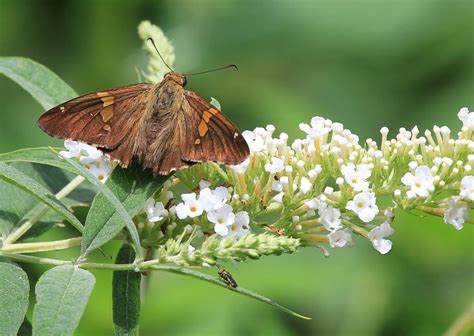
(99, 118)
(210, 135)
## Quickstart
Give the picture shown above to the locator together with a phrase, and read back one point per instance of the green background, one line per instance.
(366, 64)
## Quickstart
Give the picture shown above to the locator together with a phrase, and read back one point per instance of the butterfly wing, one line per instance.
(100, 118)
(209, 134)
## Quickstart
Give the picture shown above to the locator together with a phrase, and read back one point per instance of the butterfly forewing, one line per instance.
(213, 137)
(100, 118)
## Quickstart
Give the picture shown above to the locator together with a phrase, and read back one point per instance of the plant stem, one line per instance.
(439, 212)
(140, 267)
(42, 246)
(75, 182)
(34, 260)
(462, 324)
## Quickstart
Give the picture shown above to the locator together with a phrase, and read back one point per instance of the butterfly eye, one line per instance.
(185, 81)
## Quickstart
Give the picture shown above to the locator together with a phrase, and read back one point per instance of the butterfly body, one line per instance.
(163, 126)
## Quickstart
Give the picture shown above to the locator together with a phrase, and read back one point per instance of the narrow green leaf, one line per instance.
(43, 155)
(61, 297)
(215, 281)
(24, 207)
(113, 201)
(26, 329)
(126, 295)
(14, 292)
(44, 85)
(15, 177)
(132, 187)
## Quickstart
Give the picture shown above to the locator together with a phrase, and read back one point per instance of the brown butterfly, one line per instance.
(164, 126)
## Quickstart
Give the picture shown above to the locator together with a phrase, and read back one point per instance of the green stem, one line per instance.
(34, 260)
(30, 222)
(462, 324)
(42, 246)
(140, 267)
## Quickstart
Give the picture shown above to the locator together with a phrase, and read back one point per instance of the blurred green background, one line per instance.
(366, 64)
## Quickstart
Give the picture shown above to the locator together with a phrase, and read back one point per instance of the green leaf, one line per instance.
(132, 187)
(61, 295)
(17, 178)
(126, 295)
(25, 206)
(114, 201)
(44, 85)
(215, 281)
(43, 155)
(14, 292)
(26, 329)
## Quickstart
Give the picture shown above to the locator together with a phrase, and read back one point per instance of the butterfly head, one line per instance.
(179, 78)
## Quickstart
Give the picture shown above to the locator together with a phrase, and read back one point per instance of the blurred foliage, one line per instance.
(364, 63)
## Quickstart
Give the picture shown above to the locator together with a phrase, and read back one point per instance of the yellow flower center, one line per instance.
(193, 208)
(100, 177)
(354, 180)
(418, 184)
(360, 204)
(220, 220)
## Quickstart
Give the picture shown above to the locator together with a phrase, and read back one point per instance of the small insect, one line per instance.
(163, 126)
(273, 229)
(226, 277)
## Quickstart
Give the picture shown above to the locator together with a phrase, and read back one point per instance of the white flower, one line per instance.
(330, 218)
(85, 153)
(467, 188)
(191, 250)
(191, 207)
(203, 184)
(92, 154)
(456, 213)
(364, 205)
(254, 140)
(74, 149)
(389, 214)
(277, 186)
(240, 226)
(100, 169)
(377, 235)
(466, 117)
(421, 183)
(340, 238)
(317, 128)
(241, 167)
(305, 185)
(222, 219)
(276, 166)
(315, 203)
(356, 176)
(279, 197)
(155, 211)
(213, 199)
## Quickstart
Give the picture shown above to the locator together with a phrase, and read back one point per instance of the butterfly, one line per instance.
(163, 126)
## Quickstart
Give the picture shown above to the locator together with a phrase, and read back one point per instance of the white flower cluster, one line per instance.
(93, 159)
(331, 173)
(212, 203)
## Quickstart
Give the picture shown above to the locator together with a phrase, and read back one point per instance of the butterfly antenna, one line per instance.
(212, 70)
(154, 45)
